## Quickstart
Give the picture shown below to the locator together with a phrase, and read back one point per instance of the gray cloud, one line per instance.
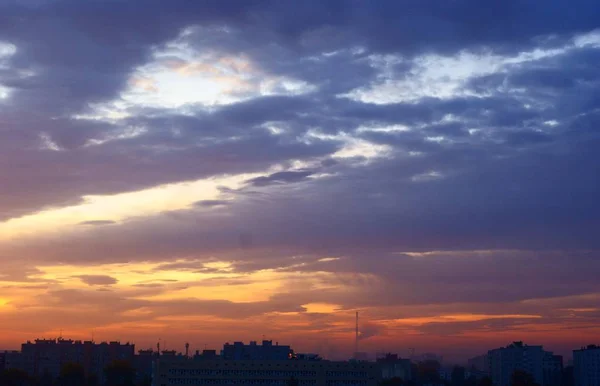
(97, 279)
(280, 178)
(98, 222)
(211, 203)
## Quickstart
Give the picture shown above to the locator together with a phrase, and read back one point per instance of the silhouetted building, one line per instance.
(143, 362)
(306, 357)
(586, 363)
(504, 361)
(47, 356)
(478, 375)
(253, 351)
(11, 360)
(479, 363)
(184, 371)
(206, 354)
(392, 366)
(568, 377)
(169, 353)
(552, 369)
(446, 374)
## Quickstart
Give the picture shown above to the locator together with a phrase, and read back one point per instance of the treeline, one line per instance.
(118, 373)
(427, 373)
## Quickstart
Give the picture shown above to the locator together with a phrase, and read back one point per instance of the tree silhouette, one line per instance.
(119, 373)
(292, 382)
(486, 381)
(429, 371)
(471, 381)
(395, 381)
(458, 376)
(92, 380)
(71, 374)
(146, 381)
(46, 379)
(15, 377)
(522, 378)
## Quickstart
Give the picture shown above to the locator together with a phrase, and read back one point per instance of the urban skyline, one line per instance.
(197, 171)
(52, 362)
(239, 350)
(190, 348)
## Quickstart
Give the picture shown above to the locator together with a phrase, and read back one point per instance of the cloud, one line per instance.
(280, 178)
(368, 330)
(211, 203)
(98, 222)
(181, 265)
(93, 280)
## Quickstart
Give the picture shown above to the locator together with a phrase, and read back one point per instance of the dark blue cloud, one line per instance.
(508, 161)
(211, 203)
(281, 178)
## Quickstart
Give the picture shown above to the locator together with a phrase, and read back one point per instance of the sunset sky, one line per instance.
(211, 171)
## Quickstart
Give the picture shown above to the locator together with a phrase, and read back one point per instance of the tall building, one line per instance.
(143, 363)
(47, 356)
(173, 370)
(503, 362)
(586, 363)
(392, 366)
(552, 369)
(253, 351)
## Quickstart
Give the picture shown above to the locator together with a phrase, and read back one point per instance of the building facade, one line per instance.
(11, 360)
(47, 356)
(503, 362)
(586, 366)
(170, 371)
(392, 366)
(143, 363)
(253, 351)
(552, 369)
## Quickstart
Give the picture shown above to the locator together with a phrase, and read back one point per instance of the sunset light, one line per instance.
(410, 186)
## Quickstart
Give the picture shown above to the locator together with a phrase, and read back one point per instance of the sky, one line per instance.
(213, 171)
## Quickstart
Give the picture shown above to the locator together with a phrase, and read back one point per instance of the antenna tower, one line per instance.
(356, 336)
